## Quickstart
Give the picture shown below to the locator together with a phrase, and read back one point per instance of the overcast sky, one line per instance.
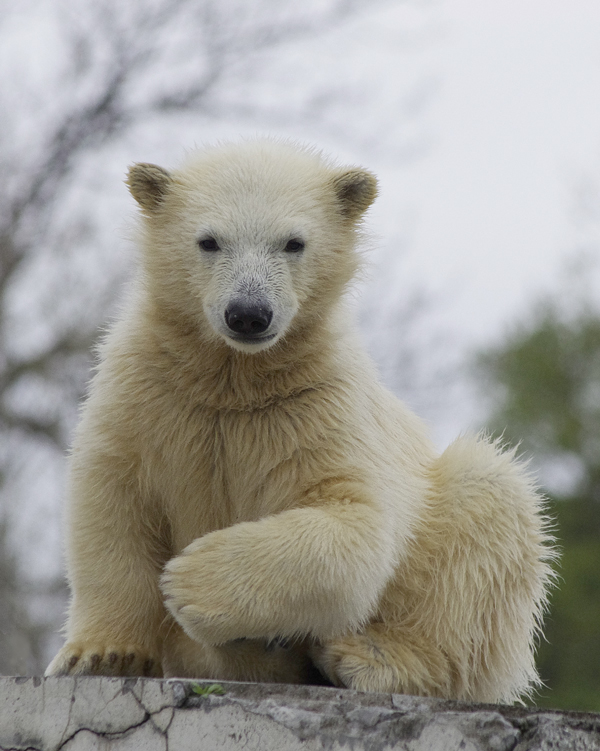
(515, 125)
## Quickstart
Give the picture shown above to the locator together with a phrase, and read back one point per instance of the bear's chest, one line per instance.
(221, 467)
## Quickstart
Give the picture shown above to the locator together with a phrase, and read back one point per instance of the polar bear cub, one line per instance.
(246, 500)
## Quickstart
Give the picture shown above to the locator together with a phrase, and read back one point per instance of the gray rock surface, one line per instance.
(72, 714)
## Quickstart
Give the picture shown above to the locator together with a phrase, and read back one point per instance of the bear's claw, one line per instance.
(99, 659)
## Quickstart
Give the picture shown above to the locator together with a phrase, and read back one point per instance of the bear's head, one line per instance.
(251, 241)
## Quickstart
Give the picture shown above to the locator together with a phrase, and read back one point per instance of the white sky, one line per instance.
(515, 122)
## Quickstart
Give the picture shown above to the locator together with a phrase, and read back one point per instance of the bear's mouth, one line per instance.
(251, 339)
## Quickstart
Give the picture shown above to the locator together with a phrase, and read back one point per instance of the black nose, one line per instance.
(248, 319)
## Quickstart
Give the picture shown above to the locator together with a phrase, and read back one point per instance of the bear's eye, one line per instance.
(293, 246)
(208, 243)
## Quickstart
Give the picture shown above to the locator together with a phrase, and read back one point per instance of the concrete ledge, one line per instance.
(72, 714)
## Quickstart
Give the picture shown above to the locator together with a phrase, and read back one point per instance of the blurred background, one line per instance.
(481, 301)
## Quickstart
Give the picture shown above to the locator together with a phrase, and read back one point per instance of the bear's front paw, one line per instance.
(88, 658)
(198, 593)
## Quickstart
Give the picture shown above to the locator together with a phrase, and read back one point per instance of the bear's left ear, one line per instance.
(356, 190)
(148, 184)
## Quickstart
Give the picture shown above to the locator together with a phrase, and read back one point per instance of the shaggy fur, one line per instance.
(243, 506)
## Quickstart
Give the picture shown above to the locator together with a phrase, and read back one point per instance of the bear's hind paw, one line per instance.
(384, 660)
(346, 666)
(77, 658)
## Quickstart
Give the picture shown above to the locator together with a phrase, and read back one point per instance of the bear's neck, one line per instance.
(224, 378)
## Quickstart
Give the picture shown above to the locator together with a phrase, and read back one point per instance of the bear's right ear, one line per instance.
(355, 190)
(148, 184)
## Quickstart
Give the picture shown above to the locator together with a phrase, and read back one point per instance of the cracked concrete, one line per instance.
(123, 714)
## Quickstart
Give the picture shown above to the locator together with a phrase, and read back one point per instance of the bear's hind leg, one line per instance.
(459, 620)
(385, 658)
